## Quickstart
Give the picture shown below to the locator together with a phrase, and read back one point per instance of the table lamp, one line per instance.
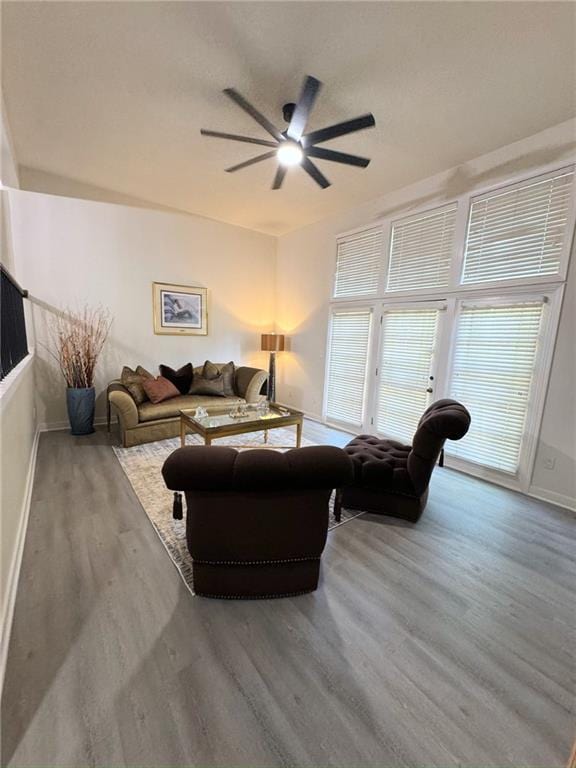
(272, 342)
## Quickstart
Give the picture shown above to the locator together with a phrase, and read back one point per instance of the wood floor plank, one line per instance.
(446, 643)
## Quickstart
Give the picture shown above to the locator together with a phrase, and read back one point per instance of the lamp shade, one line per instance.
(272, 342)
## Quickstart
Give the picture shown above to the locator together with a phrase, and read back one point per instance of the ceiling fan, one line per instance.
(293, 146)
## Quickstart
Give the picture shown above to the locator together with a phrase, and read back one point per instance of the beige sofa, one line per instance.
(148, 422)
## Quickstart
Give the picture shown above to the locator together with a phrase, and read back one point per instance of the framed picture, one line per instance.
(180, 310)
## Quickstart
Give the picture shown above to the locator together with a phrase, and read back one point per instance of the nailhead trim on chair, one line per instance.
(254, 597)
(394, 493)
(251, 562)
(255, 562)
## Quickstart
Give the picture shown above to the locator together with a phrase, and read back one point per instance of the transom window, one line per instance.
(421, 250)
(518, 232)
(358, 260)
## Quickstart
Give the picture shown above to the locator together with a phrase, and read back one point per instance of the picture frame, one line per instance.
(180, 310)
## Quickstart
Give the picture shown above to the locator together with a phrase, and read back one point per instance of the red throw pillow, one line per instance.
(159, 389)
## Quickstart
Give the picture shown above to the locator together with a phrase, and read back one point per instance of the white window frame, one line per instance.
(552, 286)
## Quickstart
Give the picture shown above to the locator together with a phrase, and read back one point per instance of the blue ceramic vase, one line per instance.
(80, 404)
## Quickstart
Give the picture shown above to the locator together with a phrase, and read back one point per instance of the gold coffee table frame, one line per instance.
(278, 416)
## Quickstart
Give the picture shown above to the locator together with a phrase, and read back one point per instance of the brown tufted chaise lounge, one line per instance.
(256, 521)
(391, 478)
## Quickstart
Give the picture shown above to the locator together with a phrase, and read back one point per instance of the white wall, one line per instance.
(8, 164)
(17, 425)
(75, 251)
(17, 448)
(557, 441)
(305, 269)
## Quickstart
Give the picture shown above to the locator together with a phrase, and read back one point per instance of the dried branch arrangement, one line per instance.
(78, 338)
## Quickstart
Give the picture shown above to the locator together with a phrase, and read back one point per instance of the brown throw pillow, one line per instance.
(210, 370)
(159, 389)
(132, 380)
(213, 372)
(213, 387)
(182, 378)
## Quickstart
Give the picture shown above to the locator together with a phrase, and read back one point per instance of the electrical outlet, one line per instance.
(549, 462)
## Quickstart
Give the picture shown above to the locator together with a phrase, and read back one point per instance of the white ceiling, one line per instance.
(114, 94)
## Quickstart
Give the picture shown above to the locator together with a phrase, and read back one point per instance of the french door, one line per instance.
(406, 373)
(389, 361)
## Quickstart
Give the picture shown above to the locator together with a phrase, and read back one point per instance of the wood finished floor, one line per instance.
(448, 643)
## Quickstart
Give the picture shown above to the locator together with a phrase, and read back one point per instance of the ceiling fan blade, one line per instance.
(279, 178)
(246, 163)
(253, 112)
(315, 172)
(337, 157)
(340, 129)
(303, 108)
(234, 137)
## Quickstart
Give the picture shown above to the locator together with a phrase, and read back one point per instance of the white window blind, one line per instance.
(493, 368)
(406, 357)
(348, 357)
(518, 232)
(358, 259)
(421, 250)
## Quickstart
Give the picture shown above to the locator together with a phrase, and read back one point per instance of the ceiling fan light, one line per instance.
(290, 153)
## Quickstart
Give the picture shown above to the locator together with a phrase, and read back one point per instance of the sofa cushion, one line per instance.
(170, 408)
(132, 380)
(182, 378)
(380, 464)
(160, 389)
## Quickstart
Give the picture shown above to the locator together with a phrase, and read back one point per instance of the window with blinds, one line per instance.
(421, 250)
(493, 367)
(347, 361)
(518, 232)
(408, 342)
(358, 259)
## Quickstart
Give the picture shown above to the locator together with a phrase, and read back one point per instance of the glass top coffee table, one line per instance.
(225, 422)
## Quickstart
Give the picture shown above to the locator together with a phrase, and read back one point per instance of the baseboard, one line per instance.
(311, 416)
(58, 426)
(319, 420)
(16, 564)
(559, 499)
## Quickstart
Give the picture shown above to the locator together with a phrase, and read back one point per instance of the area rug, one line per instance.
(142, 465)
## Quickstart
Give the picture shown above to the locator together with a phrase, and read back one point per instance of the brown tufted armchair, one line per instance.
(256, 521)
(391, 478)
